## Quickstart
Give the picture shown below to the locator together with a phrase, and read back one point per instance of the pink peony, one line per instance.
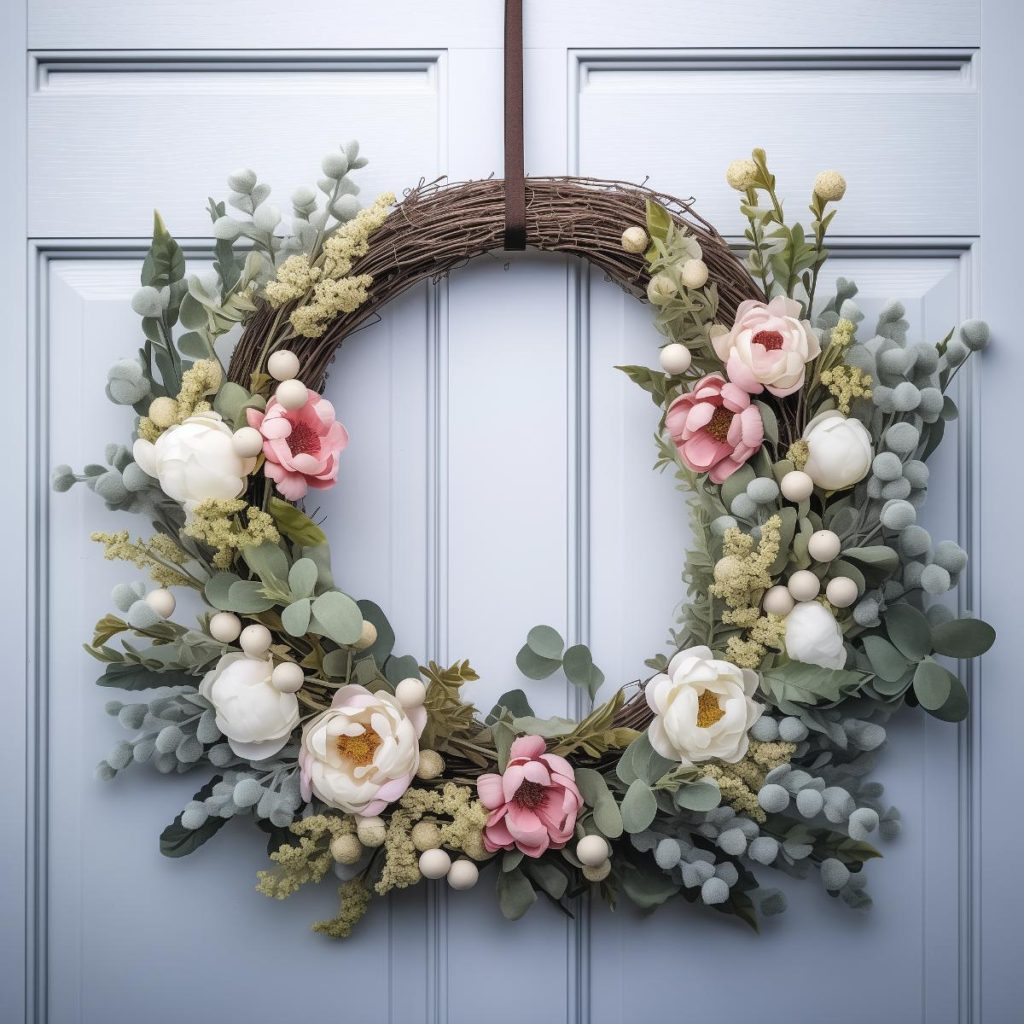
(768, 346)
(533, 804)
(301, 445)
(715, 427)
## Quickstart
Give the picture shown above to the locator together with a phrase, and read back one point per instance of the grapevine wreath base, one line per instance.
(801, 437)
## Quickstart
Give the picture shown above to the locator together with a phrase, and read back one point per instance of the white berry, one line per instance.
(463, 874)
(841, 592)
(292, 394)
(797, 486)
(367, 636)
(161, 601)
(287, 677)
(225, 627)
(694, 274)
(824, 545)
(635, 239)
(804, 585)
(778, 601)
(255, 640)
(592, 850)
(247, 442)
(283, 364)
(675, 358)
(411, 693)
(434, 863)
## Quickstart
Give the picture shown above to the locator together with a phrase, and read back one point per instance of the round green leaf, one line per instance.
(638, 807)
(933, 684)
(295, 618)
(957, 703)
(533, 665)
(302, 578)
(698, 796)
(337, 616)
(580, 670)
(545, 642)
(217, 589)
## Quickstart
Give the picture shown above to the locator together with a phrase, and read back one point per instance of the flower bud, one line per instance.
(741, 174)
(830, 186)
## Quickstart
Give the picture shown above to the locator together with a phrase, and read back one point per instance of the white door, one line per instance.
(501, 475)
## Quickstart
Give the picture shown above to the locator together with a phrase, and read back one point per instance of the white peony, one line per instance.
(702, 708)
(813, 636)
(840, 451)
(256, 718)
(361, 753)
(195, 460)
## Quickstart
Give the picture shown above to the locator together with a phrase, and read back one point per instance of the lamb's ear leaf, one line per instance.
(178, 841)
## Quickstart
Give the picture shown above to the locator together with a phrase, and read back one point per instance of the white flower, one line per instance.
(840, 451)
(702, 708)
(256, 718)
(768, 346)
(361, 753)
(813, 636)
(195, 460)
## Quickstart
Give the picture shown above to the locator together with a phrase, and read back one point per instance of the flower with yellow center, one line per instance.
(703, 708)
(362, 753)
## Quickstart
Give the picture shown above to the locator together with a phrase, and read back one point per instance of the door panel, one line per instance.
(498, 475)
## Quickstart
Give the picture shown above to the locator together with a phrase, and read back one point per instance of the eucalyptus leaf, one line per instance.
(545, 642)
(247, 597)
(230, 403)
(699, 796)
(515, 894)
(933, 684)
(515, 702)
(909, 630)
(382, 647)
(269, 562)
(963, 638)
(598, 796)
(533, 666)
(580, 670)
(217, 589)
(886, 661)
(549, 728)
(548, 876)
(295, 617)
(641, 761)
(337, 616)
(639, 806)
(302, 577)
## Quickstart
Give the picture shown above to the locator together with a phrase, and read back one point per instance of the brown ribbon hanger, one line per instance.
(515, 181)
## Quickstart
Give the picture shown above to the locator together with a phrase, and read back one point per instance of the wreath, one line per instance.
(748, 746)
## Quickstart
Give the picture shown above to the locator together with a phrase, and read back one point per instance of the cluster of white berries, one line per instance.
(803, 585)
(663, 287)
(291, 393)
(462, 873)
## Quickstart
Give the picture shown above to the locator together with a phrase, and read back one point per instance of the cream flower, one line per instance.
(839, 450)
(703, 708)
(362, 752)
(767, 346)
(813, 636)
(741, 174)
(256, 718)
(195, 460)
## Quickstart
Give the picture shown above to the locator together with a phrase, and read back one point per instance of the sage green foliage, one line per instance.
(544, 653)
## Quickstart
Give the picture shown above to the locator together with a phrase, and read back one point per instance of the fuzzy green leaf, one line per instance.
(178, 841)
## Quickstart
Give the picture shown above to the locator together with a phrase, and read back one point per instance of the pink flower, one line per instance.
(533, 804)
(301, 445)
(715, 427)
(768, 346)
